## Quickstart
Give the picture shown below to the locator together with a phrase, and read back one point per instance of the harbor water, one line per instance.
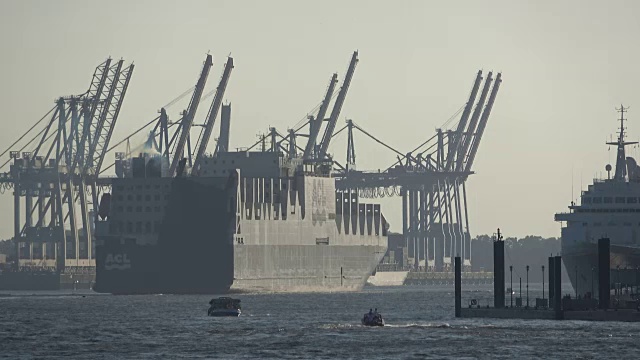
(420, 324)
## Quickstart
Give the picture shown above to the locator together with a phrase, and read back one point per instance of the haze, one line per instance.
(566, 66)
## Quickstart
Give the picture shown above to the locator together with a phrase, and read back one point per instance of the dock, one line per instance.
(606, 308)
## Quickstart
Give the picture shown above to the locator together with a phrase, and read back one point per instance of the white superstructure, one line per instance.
(608, 208)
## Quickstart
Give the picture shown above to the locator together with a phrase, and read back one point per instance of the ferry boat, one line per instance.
(224, 306)
(372, 319)
(608, 208)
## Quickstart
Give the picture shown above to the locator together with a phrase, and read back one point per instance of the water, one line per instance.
(293, 326)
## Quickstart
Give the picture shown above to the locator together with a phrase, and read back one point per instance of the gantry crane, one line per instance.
(62, 165)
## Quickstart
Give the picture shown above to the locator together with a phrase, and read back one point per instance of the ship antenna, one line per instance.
(580, 190)
(621, 161)
(622, 110)
(571, 184)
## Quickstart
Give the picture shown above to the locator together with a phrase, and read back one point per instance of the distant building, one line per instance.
(396, 255)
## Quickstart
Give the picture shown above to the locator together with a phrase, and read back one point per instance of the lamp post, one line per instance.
(527, 286)
(520, 290)
(593, 269)
(511, 288)
(576, 281)
(626, 281)
(617, 278)
(636, 280)
(542, 282)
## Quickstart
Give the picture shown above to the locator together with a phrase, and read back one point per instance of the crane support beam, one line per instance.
(187, 119)
(60, 137)
(351, 149)
(73, 141)
(315, 125)
(483, 122)
(453, 146)
(225, 129)
(211, 117)
(45, 133)
(337, 107)
(377, 140)
(292, 144)
(164, 133)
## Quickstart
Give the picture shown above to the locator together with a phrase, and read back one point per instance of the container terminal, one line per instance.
(68, 202)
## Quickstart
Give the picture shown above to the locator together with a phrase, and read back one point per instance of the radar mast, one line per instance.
(621, 161)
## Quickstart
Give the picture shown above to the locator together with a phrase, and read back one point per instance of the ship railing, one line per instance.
(392, 267)
(78, 270)
(36, 269)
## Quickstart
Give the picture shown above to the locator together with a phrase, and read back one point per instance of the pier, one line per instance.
(606, 308)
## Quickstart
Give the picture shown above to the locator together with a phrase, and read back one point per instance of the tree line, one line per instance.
(530, 250)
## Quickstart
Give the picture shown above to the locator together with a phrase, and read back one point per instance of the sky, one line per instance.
(566, 66)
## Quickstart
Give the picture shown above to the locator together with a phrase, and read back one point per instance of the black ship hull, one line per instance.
(193, 253)
(134, 270)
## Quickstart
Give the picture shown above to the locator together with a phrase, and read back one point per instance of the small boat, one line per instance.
(224, 306)
(372, 319)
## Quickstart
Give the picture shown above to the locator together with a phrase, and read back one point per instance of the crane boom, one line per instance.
(187, 119)
(337, 107)
(315, 125)
(466, 141)
(89, 107)
(458, 135)
(121, 90)
(483, 122)
(97, 128)
(211, 117)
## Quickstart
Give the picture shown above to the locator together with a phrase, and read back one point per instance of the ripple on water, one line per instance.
(420, 324)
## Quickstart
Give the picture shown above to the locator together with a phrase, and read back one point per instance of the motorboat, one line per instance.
(224, 306)
(372, 319)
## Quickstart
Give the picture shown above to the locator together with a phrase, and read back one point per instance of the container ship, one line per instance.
(608, 208)
(252, 221)
(173, 220)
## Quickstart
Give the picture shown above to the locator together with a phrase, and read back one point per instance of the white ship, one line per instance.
(608, 208)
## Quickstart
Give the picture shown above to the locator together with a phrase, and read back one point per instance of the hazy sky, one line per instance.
(566, 65)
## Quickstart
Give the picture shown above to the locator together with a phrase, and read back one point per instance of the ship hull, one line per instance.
(255, 268)
(581, 263)
(300, 268)
(134, 269)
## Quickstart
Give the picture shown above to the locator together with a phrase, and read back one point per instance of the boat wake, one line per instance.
(420, 325)
(397, 326)
(339, 326)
